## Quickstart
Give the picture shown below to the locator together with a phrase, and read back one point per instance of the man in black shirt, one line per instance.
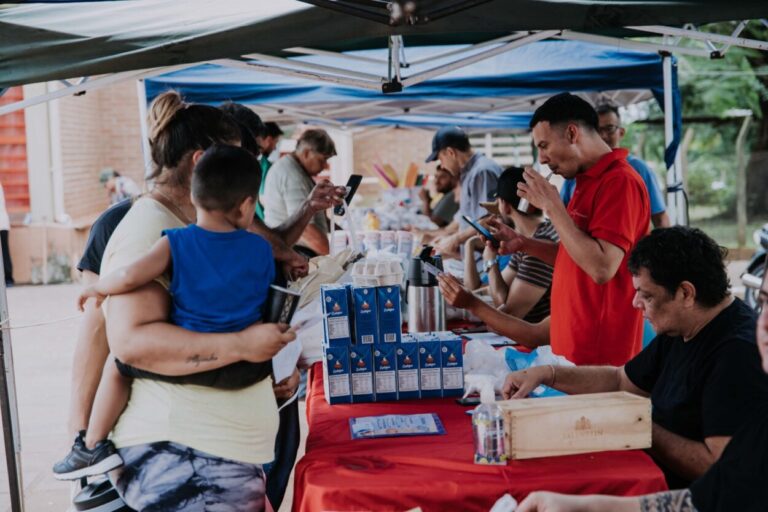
(736, 482)
(702, 372)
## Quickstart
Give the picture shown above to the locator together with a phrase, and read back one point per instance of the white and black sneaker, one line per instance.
(81, 461)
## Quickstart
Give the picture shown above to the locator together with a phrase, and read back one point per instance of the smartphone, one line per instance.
(470, 400)
(480, 229)
(352, 183)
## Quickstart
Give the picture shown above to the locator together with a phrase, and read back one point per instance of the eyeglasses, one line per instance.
(608, 129)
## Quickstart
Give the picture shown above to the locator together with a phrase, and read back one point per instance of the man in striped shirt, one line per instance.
(522, 289)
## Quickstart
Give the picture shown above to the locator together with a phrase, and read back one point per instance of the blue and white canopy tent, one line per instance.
(498, 92)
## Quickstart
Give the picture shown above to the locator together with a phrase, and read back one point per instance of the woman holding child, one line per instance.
(185, 447)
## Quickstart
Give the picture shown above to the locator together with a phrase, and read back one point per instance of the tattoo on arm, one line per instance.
(669, 501)
(198, 359)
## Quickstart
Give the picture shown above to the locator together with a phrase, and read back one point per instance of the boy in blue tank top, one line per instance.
(215, 287)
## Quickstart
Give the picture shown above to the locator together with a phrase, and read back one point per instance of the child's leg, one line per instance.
(111, 398)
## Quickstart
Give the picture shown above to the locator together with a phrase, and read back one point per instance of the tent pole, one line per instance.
(141, 90)
(674, 200)
(8, 406)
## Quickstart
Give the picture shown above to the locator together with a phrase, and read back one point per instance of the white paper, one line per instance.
(285, 361)
(491, 338)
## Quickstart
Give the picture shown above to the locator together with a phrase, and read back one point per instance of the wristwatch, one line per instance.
(489, 264)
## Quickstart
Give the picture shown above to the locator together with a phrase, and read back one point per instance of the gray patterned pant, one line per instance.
(171, 477)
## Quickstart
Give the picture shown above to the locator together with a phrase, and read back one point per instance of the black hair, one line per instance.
(506, 189)
(608, 108)
(176, 128)
(245, 116)
(224, 177)
(677, 254)
(565, 108)
(271, 129)
(248, 141)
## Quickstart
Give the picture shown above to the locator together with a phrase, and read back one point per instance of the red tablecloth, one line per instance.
(437, 472)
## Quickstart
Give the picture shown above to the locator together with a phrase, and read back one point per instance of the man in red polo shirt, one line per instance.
(593, 321)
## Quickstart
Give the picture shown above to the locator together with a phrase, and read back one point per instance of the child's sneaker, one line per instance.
(82, 462)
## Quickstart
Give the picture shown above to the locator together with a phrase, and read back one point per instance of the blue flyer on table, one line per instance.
(396, 425)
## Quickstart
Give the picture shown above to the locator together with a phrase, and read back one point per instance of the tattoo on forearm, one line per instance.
(197, 359)
(670, 501)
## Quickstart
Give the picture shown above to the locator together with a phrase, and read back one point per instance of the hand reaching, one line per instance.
(520, 384)
(553, 502)
(260, 342)
(90, 293)
(325, 195)
(511, 241)
(454, 292)
(286, 388)
(295, 266)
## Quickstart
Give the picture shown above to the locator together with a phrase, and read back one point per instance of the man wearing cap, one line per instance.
(478, 177)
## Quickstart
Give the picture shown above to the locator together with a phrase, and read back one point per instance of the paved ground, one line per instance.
(42, 360)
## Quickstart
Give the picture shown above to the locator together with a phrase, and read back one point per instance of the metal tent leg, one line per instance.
(9, 407)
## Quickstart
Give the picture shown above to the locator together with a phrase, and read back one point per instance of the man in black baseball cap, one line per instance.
(478, 176)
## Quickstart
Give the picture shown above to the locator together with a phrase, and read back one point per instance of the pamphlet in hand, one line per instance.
(285, 361)
(396, 425)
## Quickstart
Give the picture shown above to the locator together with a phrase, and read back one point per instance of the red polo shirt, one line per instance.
(593, 323)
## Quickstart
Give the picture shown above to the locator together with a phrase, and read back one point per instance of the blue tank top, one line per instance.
(220, 281)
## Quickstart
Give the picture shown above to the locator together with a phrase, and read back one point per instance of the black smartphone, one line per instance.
(480, 229)
(470, 400)
(352, 183)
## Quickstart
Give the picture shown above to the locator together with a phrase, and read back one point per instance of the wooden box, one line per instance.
(546, 427)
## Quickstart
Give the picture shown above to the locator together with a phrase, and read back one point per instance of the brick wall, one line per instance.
(398, 147)
(98, 130)
(13, 156)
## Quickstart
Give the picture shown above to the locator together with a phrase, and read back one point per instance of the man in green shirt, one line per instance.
(267, 139)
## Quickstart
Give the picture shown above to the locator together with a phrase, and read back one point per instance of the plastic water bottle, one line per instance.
(488, 428)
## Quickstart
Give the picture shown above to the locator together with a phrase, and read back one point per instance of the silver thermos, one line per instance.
(426, 305)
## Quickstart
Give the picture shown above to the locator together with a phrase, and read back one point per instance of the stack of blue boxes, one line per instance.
(367, 359)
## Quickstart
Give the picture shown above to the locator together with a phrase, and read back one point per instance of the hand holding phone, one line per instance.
(352, 184)
(484, 232)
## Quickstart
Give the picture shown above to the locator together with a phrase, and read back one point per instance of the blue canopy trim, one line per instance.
(533, 71)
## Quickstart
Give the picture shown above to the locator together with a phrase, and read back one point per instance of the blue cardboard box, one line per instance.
(407, 368)
(452, 365)
(336, 321)
(385, 372)
(390, 320)
(366, 325)
(361, 370)
(336, 376)
(430, 366)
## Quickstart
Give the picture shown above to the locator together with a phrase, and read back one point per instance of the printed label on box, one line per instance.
(390, 321)
(336, 319)
(407, 370)
(366, 322)
(452, 366)
(429, 368)
(336, 375)
(361, 367)
(384, 373)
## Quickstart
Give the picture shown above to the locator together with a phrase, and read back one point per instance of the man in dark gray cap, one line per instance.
(478, 176)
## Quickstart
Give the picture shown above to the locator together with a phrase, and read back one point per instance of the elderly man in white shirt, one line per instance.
(291, 180)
